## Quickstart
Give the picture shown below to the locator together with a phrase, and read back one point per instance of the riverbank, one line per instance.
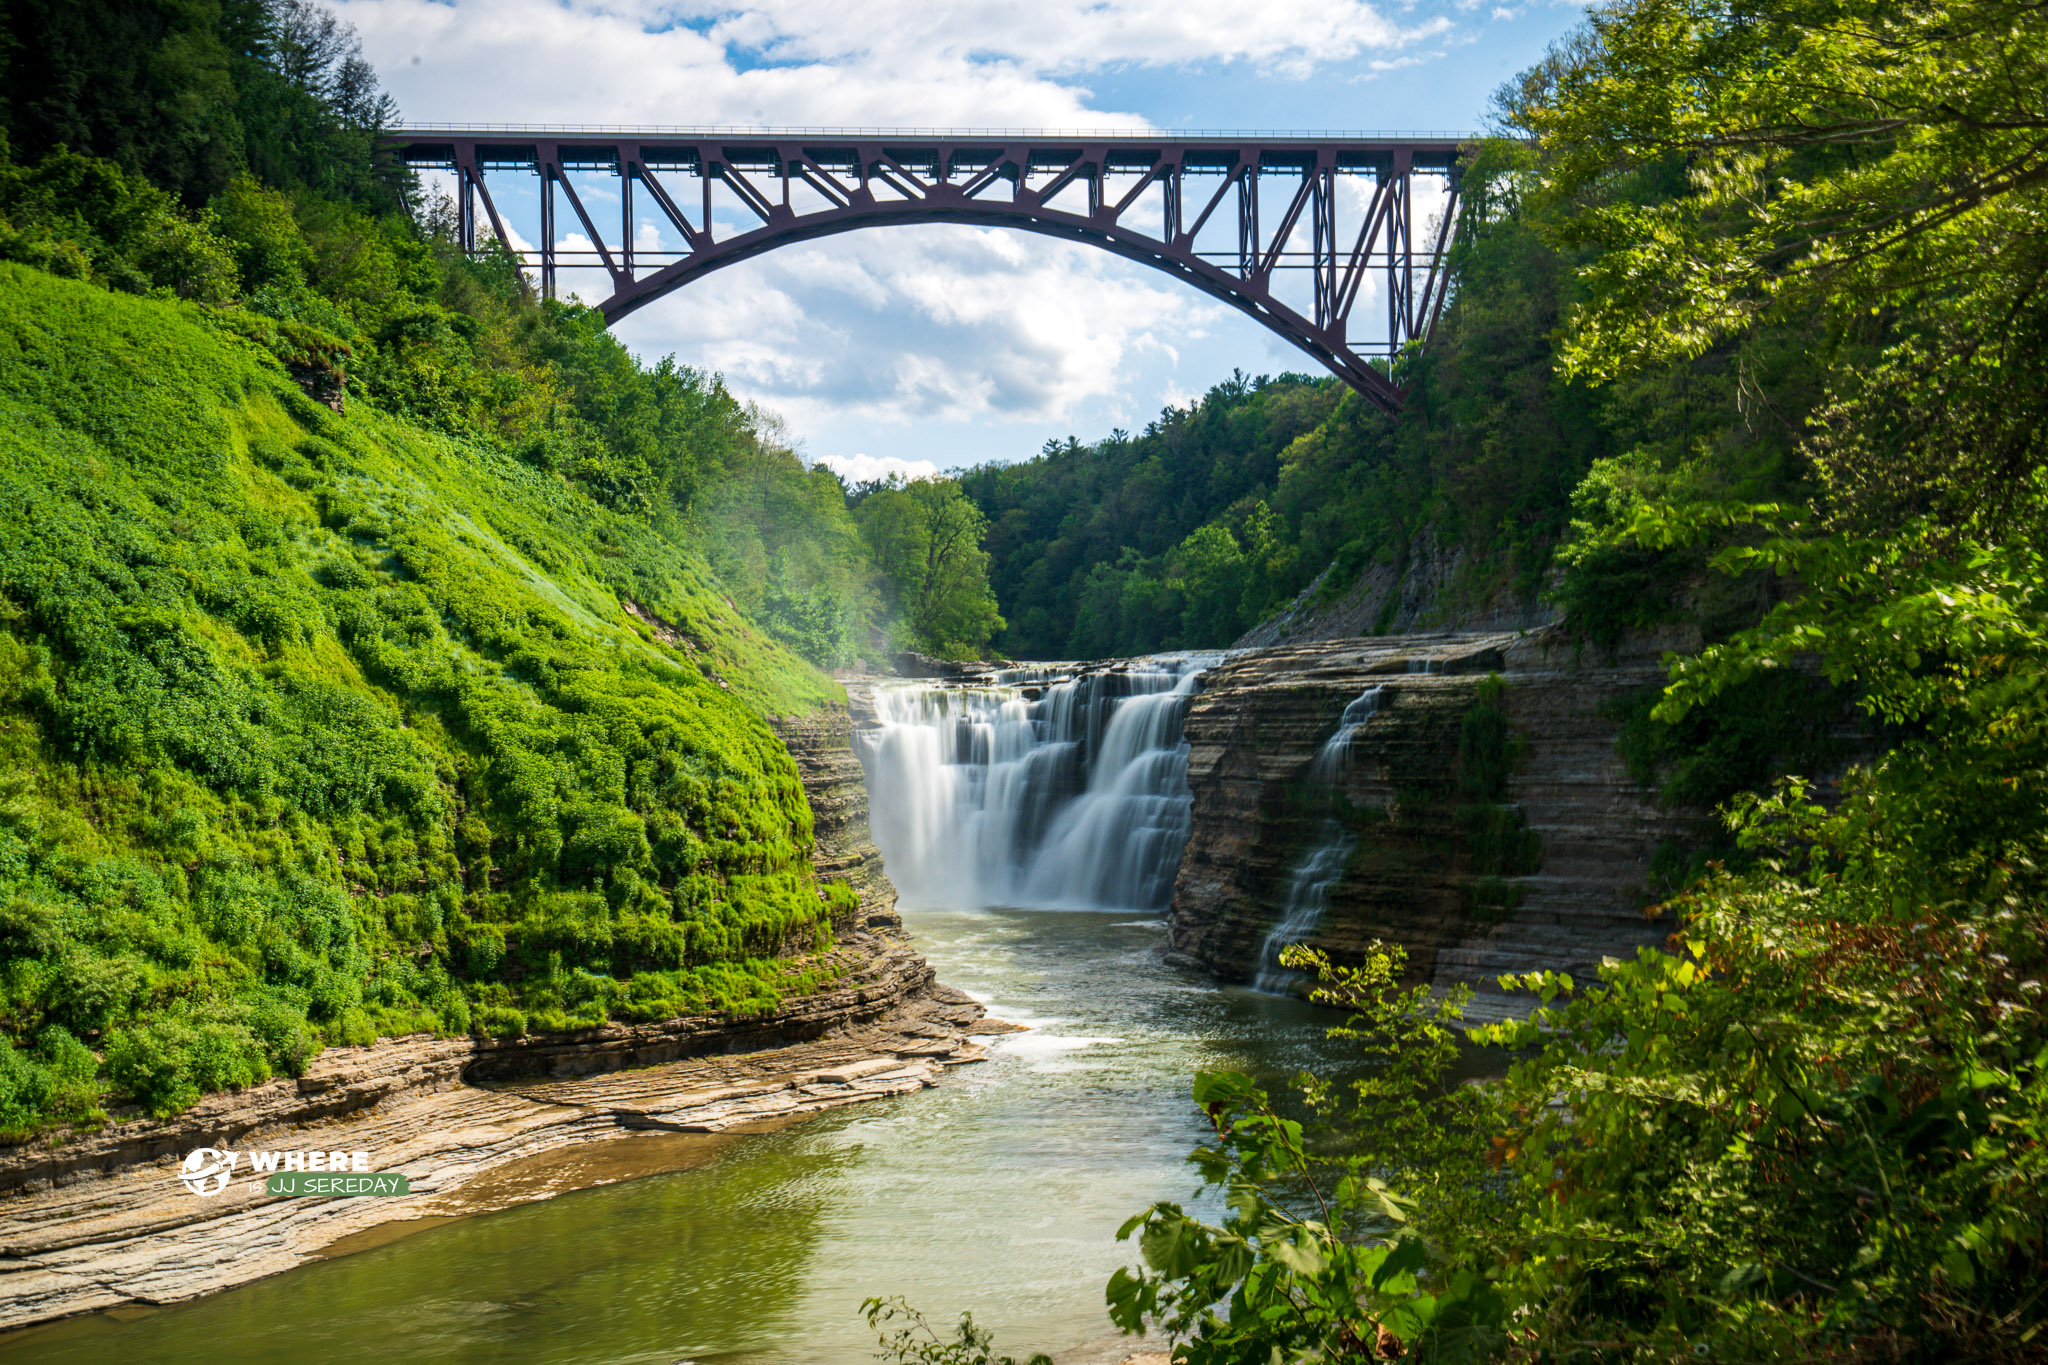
(104, 1222)
(98, 1221)
(998, 1190)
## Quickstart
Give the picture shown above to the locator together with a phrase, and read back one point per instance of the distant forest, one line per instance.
(1216, 515)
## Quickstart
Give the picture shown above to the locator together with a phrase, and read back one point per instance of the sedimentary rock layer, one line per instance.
(102, 1219)
(822, 744)
(1424, 867)
(1430, 587)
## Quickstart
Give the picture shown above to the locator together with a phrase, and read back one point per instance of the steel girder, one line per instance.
(1283, 195)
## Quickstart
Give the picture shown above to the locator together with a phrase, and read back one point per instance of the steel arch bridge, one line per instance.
(1226, 213)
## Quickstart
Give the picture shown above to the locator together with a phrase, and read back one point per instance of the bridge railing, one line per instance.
(1130, 134)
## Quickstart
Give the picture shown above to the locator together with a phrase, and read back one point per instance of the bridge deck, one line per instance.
(1232, 209)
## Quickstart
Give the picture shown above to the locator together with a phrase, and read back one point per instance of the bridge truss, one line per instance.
(1242, 219)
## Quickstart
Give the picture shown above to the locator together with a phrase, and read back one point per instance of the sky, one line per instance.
(941, 346)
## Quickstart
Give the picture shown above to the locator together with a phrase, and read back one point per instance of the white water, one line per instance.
(1042, 788)
(1308, 885)
(1328, 764)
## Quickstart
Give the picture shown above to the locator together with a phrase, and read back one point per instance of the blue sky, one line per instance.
(940, 346)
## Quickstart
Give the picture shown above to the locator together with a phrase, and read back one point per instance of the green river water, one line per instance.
(999, 1191)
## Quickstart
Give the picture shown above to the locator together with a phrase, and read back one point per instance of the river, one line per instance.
(999, 1191)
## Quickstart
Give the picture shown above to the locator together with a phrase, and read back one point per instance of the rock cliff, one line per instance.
(1430, 587)
(1489, 826)
(822, 744)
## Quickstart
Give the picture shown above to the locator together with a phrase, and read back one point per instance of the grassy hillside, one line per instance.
(318, 727)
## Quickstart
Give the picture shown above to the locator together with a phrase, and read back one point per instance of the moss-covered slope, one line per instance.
(315, 727)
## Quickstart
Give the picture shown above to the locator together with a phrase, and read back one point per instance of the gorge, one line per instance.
(586, 772)
(1460, 794)
(1078, 821)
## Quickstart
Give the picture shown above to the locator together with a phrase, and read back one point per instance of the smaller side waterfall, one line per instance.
(1308, 895)
(1328, 764)
(1308, 885)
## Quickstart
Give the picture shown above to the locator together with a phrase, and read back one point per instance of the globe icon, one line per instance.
(206, 1170)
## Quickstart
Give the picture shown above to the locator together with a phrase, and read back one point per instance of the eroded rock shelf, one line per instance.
(1425, 868)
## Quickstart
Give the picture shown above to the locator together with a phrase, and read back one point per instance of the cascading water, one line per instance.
(1039, 788)
(1308, 895)
(1328, 764)
(1308, 885)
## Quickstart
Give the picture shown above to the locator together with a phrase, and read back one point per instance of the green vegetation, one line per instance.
(1786, 263)
(1319, 1259)
(382, 649)
(187, 96)
(321, 727)
(1815, 1130)
(258, 187)
(925, 537)
(446, 713)
(1147, 542)
(1268, 492)
(1449, 771)
(916, 1342)
(1496, 833)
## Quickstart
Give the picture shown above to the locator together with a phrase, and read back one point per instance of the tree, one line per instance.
(187, 93)
(1212, 577)
(1879, 168)
(926, 539)
(1816, 1126)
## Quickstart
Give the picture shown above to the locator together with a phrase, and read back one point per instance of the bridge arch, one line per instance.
(860, 181)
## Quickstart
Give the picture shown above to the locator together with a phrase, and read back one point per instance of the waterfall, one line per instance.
(1328, 764)
(1039, 787)
(1309, 883)
(1308, 895)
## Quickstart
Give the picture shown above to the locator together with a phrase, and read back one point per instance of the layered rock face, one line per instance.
(844, 848)
(1430, 588)
(101, 1219)
(77, 1236)
(1480, 814)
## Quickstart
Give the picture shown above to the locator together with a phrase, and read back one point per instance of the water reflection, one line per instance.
(1000, 1191)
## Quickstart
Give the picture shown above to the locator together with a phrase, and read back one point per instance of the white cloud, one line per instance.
(535, 61)
(863, 467)
(930, 323)
(970, 63)
(1293, 37)
(892, 337)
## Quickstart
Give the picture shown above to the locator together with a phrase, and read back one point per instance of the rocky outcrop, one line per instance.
(822, 744)
(1428, 588)
(77, 1235)
(1477, 872)
(99, 1220)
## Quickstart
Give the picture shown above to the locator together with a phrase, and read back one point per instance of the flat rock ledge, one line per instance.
(101, 1220)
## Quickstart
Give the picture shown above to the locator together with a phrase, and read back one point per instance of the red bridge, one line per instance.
(1226, 213)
